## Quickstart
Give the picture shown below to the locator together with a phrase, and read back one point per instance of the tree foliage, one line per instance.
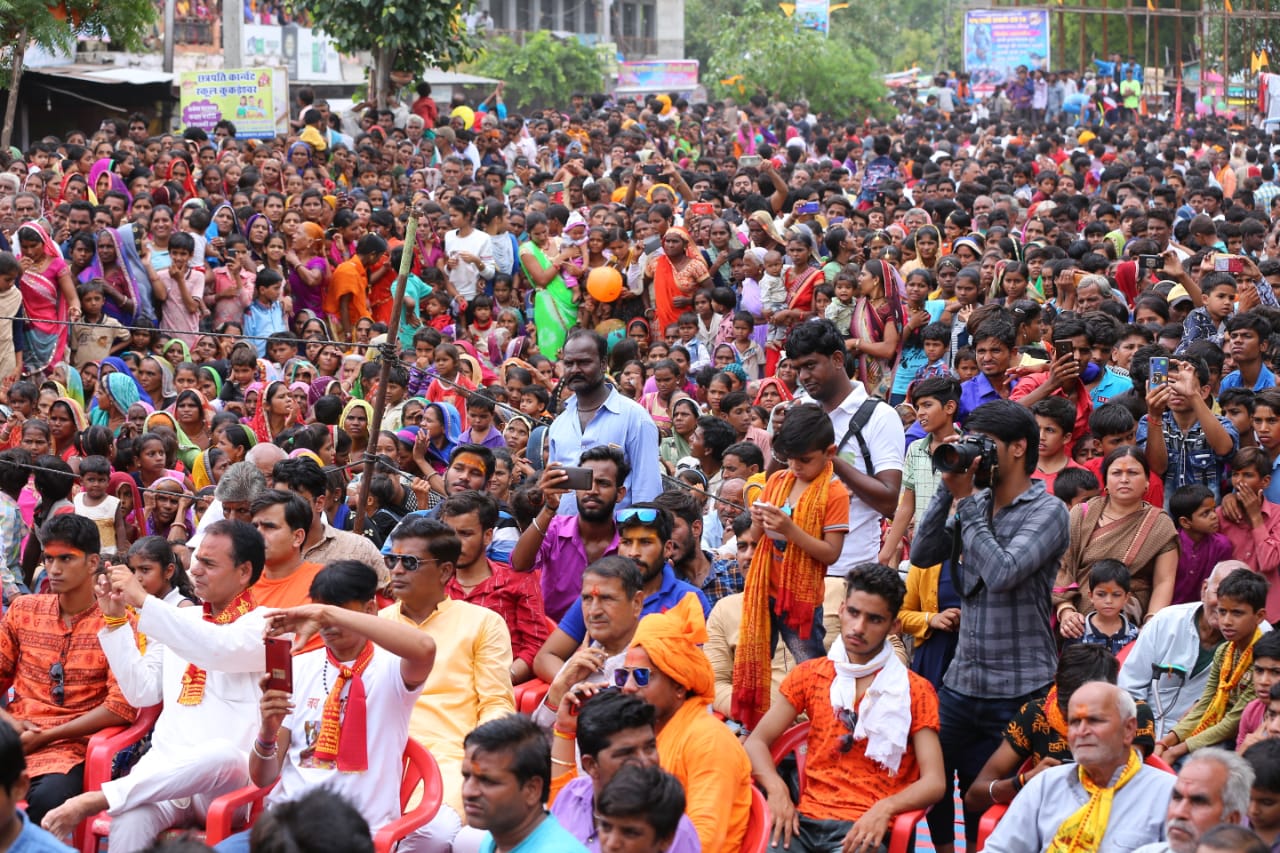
(779, 60)
(402, 35)
(55, 26)
(545, 70)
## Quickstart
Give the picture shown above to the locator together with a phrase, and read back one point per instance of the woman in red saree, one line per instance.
(877, 326)
(677, 274)
(800, 279)
(48, 297)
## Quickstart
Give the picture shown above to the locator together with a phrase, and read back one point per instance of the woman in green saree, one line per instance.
(554, 311)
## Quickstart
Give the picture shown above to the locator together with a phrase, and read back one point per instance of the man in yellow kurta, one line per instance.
(471, 681)
(666, 668)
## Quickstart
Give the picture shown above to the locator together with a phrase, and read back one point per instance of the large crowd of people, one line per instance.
(797, 479)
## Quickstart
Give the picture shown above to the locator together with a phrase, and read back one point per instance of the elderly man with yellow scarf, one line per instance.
(666, 667)
(1108, 801)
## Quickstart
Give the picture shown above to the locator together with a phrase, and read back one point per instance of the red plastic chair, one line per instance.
(530, 695)
(991, 817)
(758, 824)
(420, 770)
(98, 758)
(795, 740)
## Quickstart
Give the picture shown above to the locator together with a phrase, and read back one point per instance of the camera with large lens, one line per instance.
(953, 458)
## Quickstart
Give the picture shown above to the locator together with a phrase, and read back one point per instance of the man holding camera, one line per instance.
(1003, 535)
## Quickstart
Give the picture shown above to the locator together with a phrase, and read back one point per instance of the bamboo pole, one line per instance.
(390, 348)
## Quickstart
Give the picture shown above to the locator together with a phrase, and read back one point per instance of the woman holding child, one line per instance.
(1119, 525)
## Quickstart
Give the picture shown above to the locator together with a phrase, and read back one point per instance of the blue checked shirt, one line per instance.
(1199, 326)
(1191, 459)
(1005, 580)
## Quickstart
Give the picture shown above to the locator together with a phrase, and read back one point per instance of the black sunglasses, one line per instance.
(58, 673)
(849, 719)
(411, 563)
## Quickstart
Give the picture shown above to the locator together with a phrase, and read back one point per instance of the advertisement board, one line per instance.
(658, 75)
(251, 98)
(997, 41)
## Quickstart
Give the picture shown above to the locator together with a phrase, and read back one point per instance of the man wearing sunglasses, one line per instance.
(667, 668)
(49, 654)
(873, 737)
(471, 681)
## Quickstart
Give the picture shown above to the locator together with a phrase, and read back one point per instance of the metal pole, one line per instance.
(392, 344)
(170, 35)
(232, 34)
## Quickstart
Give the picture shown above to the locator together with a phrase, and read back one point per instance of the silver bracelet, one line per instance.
(537, 527)
(991, 789)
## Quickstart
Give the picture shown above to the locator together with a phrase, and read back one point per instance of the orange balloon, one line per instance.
(604, 284)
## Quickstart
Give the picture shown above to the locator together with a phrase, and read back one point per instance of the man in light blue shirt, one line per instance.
(506, 779)
(597, 414)
(17, 832)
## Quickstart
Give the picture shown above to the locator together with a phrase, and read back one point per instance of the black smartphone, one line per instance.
(579, 479)
(1062, 349)
(652, 170)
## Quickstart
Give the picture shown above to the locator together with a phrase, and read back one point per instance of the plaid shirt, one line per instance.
(1262, 196)
(1006, 645)
(1191, 459)
(12, 531)
(725, 579)
(1199, 326)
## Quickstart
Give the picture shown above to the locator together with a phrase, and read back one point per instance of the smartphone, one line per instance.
(1062, 349)
(279, 664)
(1228, 263)
(579, 479)
(652, 169)
(809, 208)
(1159, 371)
(652, 245)
(556, 187)
(1150, 262)
(748, 161)
(702, 208)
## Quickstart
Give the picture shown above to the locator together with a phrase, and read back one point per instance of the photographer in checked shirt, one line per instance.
(1012, 534)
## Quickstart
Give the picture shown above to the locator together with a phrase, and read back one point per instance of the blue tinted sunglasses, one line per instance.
(643, 515)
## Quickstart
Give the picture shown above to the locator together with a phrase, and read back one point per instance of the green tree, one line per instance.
(55, 27)
(402, 36)
(783, 62)
(549, 70)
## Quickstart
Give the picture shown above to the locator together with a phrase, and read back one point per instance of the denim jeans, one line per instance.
(972, 729)
(802, 650)
(820, 836)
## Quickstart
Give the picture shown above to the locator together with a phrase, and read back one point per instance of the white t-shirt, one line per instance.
(886, 440)
(388, 705)
(103, 515)
(464, 276)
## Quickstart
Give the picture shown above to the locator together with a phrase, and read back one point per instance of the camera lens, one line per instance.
(955, 457)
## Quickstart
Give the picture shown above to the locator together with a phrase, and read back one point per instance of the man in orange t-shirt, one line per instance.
(284, 519)
(873, 742)
(347, 297)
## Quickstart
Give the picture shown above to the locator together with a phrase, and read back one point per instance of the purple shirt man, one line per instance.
(562, 559)
(574, 808)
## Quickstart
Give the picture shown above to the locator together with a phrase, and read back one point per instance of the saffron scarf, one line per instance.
(1235, 666)
(801, 584)
(193, 680)
(346, 744)
(1083, 830)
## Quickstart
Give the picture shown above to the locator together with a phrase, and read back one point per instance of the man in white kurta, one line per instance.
(204, 665)
(1101, 723)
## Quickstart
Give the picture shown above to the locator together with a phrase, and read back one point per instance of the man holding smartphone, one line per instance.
(203, 664)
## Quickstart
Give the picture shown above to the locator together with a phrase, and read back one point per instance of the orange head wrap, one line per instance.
(673, 641)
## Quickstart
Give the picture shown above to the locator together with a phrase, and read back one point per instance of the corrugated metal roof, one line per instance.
(106, 74)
